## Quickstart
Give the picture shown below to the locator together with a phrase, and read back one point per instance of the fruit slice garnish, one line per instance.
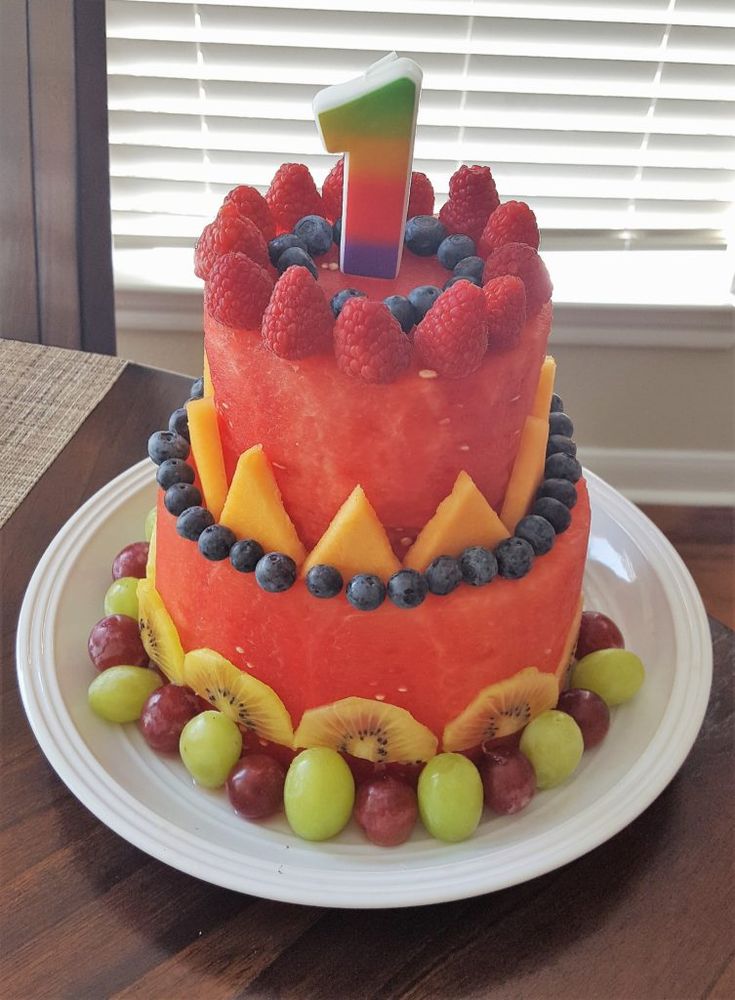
(158, 633)
(502, 709)
(150, 566)
(371, 730)
(242, 697)
(566, 660)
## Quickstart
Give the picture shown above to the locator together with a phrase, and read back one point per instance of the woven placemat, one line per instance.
(45, 395)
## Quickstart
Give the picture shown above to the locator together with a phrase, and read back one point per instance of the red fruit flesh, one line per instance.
(431, 661)
(405, 442)
(115, 641)
(131, 561)
(597, 631)
(386, 809)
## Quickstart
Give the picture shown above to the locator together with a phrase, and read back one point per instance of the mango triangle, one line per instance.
(207, 377)
(544, 389)
(206, 448)
(355, 541)
(528, 471)
(254, 508)
(462, 519)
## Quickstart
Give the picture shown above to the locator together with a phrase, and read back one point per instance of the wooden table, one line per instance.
(85, 915)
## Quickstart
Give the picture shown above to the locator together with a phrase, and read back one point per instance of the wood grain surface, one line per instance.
(85, 915)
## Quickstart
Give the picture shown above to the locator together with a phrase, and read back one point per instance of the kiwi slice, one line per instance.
(246, 700)
(567, 660)
(150, 565)
(158, 633)
(372, 730)
(502, 709)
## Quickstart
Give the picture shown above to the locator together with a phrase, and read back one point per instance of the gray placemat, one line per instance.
(45, 395)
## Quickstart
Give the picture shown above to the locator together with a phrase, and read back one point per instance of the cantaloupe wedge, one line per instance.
(254, 508)
(528, 470)
(355, 541)
(462, 519)
(544, 389)
(207, 378)
(206, 448)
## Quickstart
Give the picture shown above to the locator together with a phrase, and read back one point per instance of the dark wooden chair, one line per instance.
(55, 242)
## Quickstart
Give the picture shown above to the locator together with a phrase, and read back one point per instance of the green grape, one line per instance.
(150, 521)
(319, 794)
(122, 597)
(553, 743)
(614, 674)
(118, 694)
(210, 746)
(450, 797)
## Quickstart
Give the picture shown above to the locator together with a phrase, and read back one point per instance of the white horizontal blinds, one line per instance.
(605, 117)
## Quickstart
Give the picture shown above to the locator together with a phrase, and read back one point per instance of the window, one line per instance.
(613, 120)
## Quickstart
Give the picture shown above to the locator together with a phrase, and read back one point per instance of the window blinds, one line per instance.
(613, 120)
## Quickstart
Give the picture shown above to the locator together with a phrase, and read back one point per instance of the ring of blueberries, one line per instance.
(276, 572)
(424, 236)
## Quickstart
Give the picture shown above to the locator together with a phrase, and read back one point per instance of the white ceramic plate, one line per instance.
(633, 574)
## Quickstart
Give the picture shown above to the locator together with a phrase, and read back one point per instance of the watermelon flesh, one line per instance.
(431, 660)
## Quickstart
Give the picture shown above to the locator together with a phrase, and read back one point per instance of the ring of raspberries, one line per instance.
(257, 259)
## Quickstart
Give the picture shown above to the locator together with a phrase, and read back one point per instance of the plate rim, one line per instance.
(169, 843)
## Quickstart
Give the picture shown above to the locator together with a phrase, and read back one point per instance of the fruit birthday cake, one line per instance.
(371, 526)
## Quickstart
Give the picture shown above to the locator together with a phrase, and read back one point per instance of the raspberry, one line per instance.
(472, 199)
(298, 320)
(505, 299)
(292, 195)
(452, 337)
(523, 261)
(421, 196)
(229, 233)
(511, 222)
(251, 204)
(332, 191)
(237, 291)
(369, 343)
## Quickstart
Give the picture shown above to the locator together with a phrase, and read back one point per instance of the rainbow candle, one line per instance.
(372, 120)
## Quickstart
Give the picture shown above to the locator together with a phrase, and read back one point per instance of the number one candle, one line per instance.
(372, 120)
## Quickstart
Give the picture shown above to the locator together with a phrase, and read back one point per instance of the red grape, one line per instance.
(255, 786)
(165, 714)
(590, 713)
(509, 780)
(131, 561)
(115, 641)
(597, 631)
(386, 809)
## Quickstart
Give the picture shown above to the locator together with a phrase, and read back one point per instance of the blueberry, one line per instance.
(315, 232)
(470, 267)
(559, 489)
(561, 466)
(537, 531)
(275, 572)
(423, 298)
(340, 298)
(174, 470)
(246, 555)
(337, 231)
(560, 445)
(443, 575)
(423, 235)
(197, 389)
(555, 512)
(192, 522)
(460, 277)
(215, 542)
(478, 565)
(515, 558)
(559, 423)
(324, 581)
(279, 245)
(178, 497)
(557, 404)
(402, 310)
(365, 592)
(455, 248)
(407, 588)
(296, 257)
(167, 444)
(178, 422)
